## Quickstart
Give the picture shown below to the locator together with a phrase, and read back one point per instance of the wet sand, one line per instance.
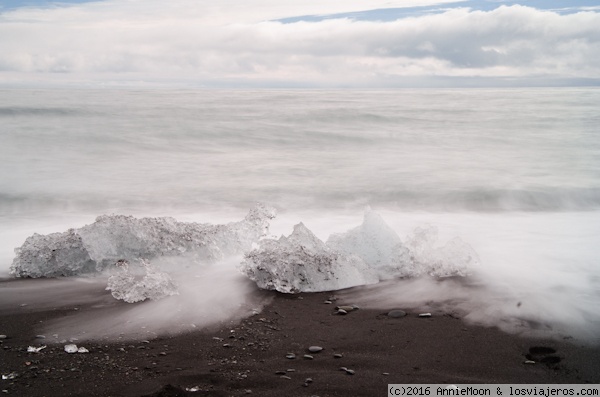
(249, 357)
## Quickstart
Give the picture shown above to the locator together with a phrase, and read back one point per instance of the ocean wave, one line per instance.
(11, 111)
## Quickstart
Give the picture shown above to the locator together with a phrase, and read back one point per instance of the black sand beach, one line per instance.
(249, 357)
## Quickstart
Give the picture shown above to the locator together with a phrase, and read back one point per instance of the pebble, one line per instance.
(346, 308)
(315, 349)
(385, 373)
(308, 357)
(285, 377)
(350, 371)
(396, 313)
(529, 362)
(342, 311)
(291, 356)
(71, 348)
(3, 336)
(40, 336)
(328, 302)
(338, 355)
(425, 315)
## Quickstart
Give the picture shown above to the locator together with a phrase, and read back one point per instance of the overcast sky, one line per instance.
(299, 43)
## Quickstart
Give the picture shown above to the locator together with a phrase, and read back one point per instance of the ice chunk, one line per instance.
(112, 238)
(456, 258)
(54, 255)
(366, 254)
(377, 244)
(33, 349)
(303, 263)
(153, 285)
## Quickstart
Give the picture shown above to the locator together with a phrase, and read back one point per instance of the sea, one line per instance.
(513, 172)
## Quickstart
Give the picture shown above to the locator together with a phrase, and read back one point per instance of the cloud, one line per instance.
(211, 45)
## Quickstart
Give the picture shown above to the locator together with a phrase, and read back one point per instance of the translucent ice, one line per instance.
(153, 284)
(377, 244)
(303, 263)
(456, 258)
(366, 254)
(116, 237)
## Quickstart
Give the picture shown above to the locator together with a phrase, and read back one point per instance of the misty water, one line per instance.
(515, 173)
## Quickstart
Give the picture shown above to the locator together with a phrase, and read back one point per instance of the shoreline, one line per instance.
(247, 357)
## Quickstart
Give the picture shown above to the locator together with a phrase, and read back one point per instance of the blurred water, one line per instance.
(513, 172)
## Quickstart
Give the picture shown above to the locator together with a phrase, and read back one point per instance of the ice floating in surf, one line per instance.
(300, 262)
(303, 263)
(112, 238)
(364, 255)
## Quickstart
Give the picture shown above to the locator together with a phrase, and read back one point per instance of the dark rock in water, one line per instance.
(541, 350)
(170, 391)
(396, 313)
(550, 360)
(315, 349)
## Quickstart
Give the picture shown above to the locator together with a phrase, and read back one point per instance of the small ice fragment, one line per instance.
(153, 285)
(71, 349)
(32, 349)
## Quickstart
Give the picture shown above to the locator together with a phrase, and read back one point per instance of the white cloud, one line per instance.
(225, 42)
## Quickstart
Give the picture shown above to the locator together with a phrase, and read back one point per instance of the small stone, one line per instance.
(308, 380)
(343, 369)
(425, 315)
(71, 349)
(291, 356)
(285, 377)
(529, 362)
(385, 373)
(338, 355)
(308, 357)
(345, 308)
(3, 336)
(226, 345)
(315, 349)
(328, 302)
(396, 313)
(40, 336)
(162, 353)
(342, 311)
(350, 371)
